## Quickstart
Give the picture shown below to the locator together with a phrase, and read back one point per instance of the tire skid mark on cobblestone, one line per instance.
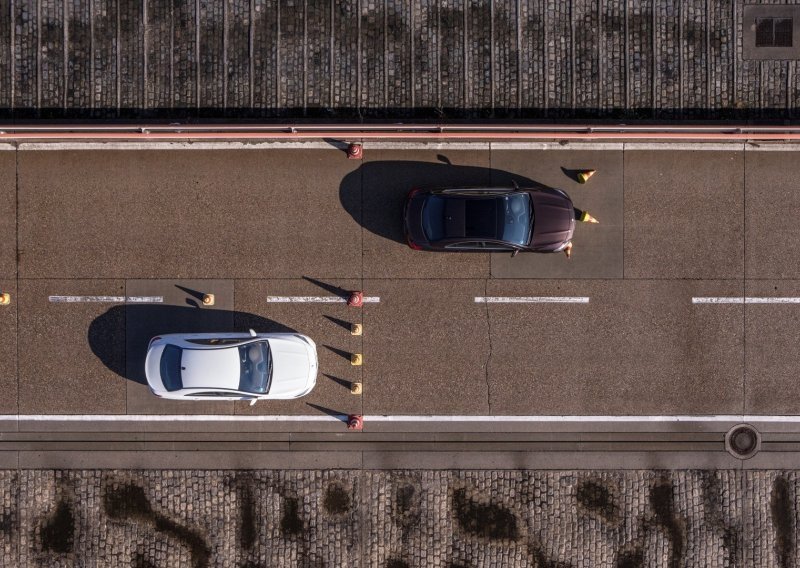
(52, 55)
(484, 519)
(783, 513)
(662, 500)
(131, 71)
(129, 503)
(57, 531)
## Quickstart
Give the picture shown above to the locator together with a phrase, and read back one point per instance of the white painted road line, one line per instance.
(394, 418)
(744, 300)
(317, 300)
(108, 299)
(531, 299)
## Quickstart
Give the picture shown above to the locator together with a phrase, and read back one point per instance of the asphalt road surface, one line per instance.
(650, 317)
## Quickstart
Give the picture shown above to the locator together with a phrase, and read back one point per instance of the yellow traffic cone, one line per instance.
(5, 299)
(568, 249)
(356, 388)
(586, 218)
(584, 176)
(356, 359)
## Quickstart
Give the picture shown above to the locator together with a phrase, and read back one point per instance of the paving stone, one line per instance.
(384, 518)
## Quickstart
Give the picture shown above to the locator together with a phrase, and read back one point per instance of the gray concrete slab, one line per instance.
(8, 349)
(181, 312)
(8, 214)
(772, 350)
(9, 460)
(71, 352)
(425, 347)
(550, 460)
(684, 214)
(598, 248)
(772, 230)
(386, 178)
(189, 460)
(186, 214)
(326, 324)
(635, 348)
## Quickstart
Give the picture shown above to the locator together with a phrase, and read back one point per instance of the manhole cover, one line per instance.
(743, 441)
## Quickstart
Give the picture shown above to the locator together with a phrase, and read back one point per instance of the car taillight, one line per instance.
(412, 193)
(412, 244)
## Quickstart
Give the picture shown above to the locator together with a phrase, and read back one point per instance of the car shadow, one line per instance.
(374, 194)
(145, 321)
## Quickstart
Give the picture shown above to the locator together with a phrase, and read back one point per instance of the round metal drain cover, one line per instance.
(743, 441)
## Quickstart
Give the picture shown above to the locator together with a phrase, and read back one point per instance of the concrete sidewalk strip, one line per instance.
(531, 299)
(317, 300)
(107, 299)
(744, 300)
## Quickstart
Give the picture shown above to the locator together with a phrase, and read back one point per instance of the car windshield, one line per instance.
(256, 367)
(171, 368)
(515, 218)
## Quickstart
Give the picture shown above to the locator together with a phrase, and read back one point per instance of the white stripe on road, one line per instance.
(531, 300)
(317, 299)
(395, 418)
(744, 300)
(108, 299)
(172, 145)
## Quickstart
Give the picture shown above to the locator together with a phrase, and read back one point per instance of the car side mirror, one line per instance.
(515, 253)
(252, 402)
(253, 333)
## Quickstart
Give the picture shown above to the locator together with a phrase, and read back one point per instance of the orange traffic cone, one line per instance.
(586, 218)
(584, 176)
(568, 249)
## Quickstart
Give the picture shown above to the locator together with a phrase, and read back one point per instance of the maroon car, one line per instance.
(536, 219)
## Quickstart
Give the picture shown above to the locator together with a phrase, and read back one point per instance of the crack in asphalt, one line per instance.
(489, 356)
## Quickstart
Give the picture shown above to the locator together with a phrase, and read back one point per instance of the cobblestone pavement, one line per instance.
(399, 518)
(356, 59)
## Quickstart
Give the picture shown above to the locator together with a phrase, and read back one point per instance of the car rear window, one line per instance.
(433, 218)
(171, 368)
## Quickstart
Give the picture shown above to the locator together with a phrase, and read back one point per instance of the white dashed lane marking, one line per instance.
(744, 300)
(531, 299)
(108, 299)
(317, 300)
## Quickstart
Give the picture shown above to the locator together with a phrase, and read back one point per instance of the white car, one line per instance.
(231, 366)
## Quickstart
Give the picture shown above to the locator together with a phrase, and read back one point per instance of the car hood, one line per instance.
(293, 367)
(553, 219)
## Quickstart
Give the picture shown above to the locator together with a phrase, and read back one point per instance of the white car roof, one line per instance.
(211, 368)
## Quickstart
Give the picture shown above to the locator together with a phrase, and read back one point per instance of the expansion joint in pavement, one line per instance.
(489, 354)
